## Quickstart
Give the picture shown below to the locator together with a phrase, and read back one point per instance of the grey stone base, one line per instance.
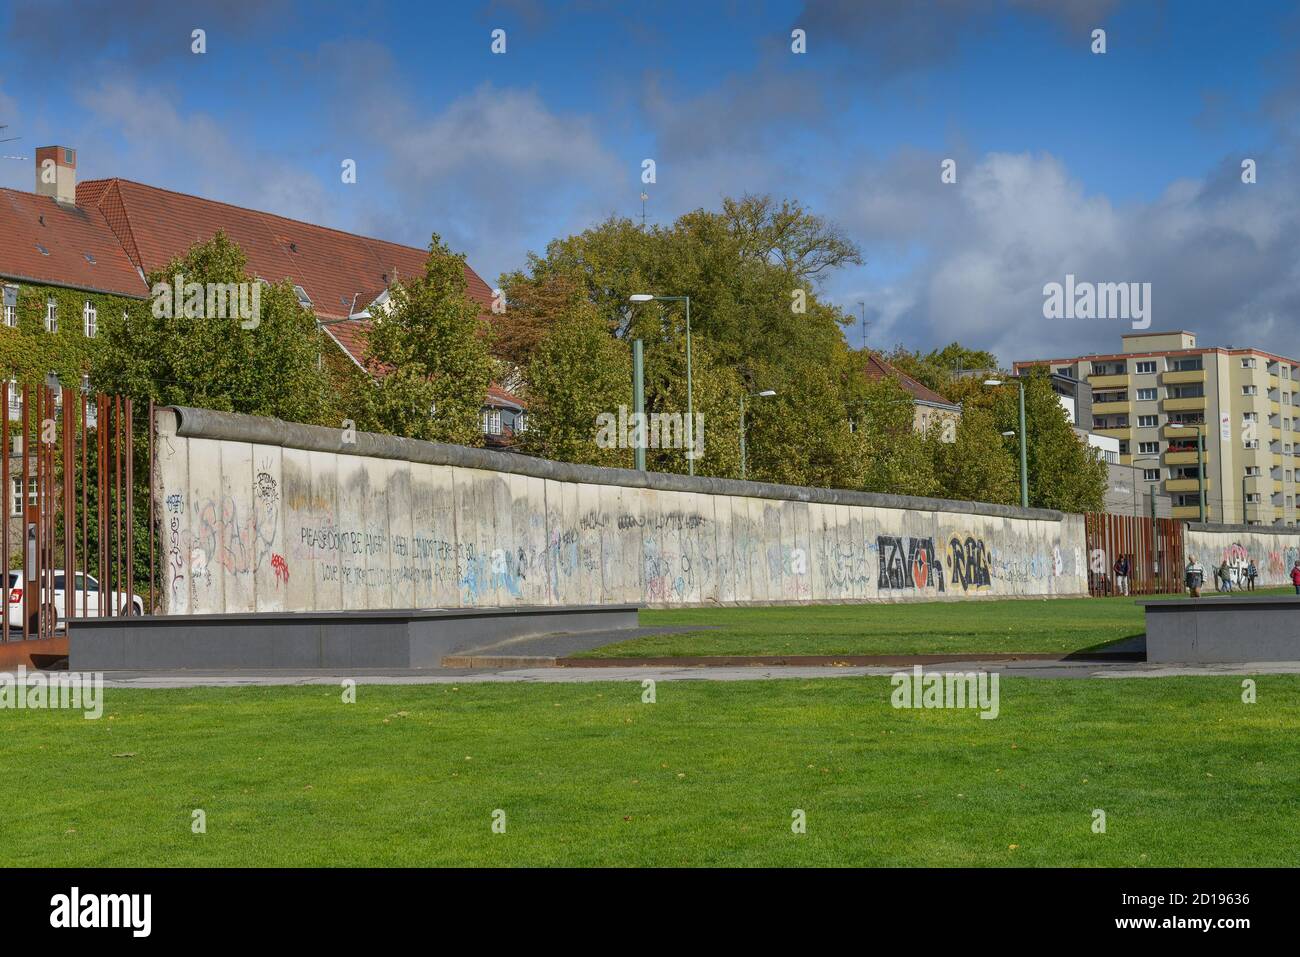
(1208, 630)
(417, 638)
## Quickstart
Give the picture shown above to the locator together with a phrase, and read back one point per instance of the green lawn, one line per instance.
(1187, 774)
(1024, 625)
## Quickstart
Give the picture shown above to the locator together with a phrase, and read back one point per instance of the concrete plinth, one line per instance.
(1223, 629)
(417, 638)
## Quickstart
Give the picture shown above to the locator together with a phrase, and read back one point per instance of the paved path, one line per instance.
(1027, 669)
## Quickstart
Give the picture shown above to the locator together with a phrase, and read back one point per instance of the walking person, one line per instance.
(1225, 576)
(1194, 577)
(1251, 574)
(1295, 577)
(1121, 574)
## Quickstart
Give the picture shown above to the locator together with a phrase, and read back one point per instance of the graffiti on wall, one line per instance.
(908, 563)
(968, 562)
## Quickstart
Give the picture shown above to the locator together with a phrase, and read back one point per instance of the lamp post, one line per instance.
(690, 403)
(766, 393)
(1024, 458)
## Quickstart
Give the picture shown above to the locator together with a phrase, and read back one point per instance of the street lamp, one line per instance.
(690, 403)
(766, 393)
(1024, 459)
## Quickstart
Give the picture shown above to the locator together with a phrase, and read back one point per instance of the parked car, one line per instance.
(86, 587)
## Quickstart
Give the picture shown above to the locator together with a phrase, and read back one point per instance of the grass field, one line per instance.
(1025, 625)
(1187, 774)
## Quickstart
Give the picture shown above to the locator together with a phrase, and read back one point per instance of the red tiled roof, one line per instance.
(68, 233)
(334, 268)
(878, 368)
(498, 396)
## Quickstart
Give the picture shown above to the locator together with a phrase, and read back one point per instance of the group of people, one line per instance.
(1194, 577)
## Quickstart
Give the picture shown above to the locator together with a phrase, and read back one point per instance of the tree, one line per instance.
(265, 365)
(976, 466)
(899, 460)
(751, 270)
(1064, 472)
(577, 373)
(428, 351)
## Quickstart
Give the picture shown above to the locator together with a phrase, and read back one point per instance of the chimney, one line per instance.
(56, 174)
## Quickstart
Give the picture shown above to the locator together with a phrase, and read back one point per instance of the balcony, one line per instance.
(1192, 404)
(1111, 408)
(1180, 458)
(1192, 512)
(1108, 381)
(1180, 378)
(1115, 432)
(1277, 460)
(1184, 485)
(1175, 431)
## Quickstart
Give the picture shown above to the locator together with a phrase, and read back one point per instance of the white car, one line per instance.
(87, 587)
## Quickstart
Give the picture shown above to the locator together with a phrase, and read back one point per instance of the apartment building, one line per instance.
(1162, 391)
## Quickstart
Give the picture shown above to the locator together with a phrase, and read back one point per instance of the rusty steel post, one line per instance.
(40, 513)
(101, 484)
(85, 551)
(130, 510)
(69, 512)
(117, 493)
(4, 478)
(22, 497)
(152, 531)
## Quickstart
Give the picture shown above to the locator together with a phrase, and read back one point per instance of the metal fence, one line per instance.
(69, 472)
(1151, 550)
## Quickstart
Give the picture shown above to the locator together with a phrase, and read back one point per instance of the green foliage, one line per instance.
(28, 353)
(938, 368)
(575, 374)
(976, 466)
(430, 353)
(1064, 472)
(273, 369)
(898, 459)
(742, 267)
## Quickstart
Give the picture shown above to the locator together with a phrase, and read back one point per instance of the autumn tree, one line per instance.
(427, 349)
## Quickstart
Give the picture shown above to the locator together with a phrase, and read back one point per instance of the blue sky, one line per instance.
(1115, 167)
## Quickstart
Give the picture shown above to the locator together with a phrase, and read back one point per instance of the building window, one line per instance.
(51, 316)
(1248, 363)
(1189, 365)
(1250, 443)
(1148, 448)
(1252, 471)
(1250, 390)
(1252, 498)
(1146, 395)
(492, 421)
(16, 495)
(11, 306)
(1250, 416)
(89, 319)
(1145, 368)
(1146, 421)
(15, 401)
(521, 422)
(1123, 446)
(1151, 475)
